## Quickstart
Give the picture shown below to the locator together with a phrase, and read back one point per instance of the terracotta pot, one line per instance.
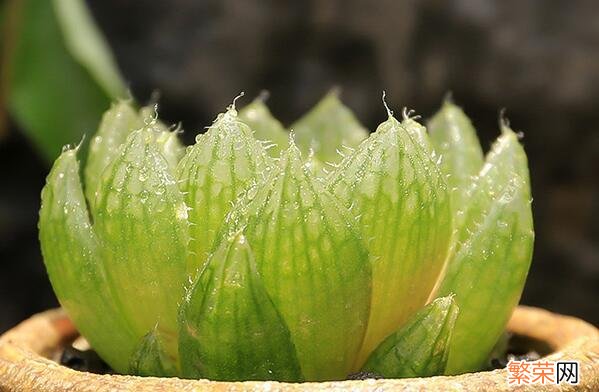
(27, 355)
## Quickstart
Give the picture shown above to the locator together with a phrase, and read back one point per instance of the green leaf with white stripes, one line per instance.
(454, 139)
(265, 126)
(402, 203)
(229, 327)
(420, 347)
(141, 219)
(150, 358)
(73, 258)
(312, 262)
(221, 165)
(327, 128)
(117, 123)
(491, 255)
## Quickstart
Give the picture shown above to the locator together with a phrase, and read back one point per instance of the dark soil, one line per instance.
(519, 348)
(84, 361)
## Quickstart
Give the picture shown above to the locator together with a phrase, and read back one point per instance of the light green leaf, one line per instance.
(150, 358)
(222, 164)
(86, 44)
(454, 139)
(230, 329)
(170, 147)
(400, 197)
(117, 123)
(142, 221)
(168, 140)
(312, 263)
(420, 347)
(265, 126)
(492, 253)
(328, 128)
(73, 260)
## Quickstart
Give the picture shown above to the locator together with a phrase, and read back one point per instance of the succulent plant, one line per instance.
(246, 257)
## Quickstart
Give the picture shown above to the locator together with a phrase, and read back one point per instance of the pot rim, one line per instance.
(25, 363)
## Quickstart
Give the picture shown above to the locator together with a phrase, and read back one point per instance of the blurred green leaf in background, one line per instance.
(58, 74)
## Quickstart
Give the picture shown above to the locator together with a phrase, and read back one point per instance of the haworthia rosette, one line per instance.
(395, 188)
(293, 276)
(141, 220)
(454, 139)
(491, 254)
(265, 126)
(229, 326)
(222, 164)
(420, 347)
(328, 128)
(72, 254)
(150, 357)
(312, 263)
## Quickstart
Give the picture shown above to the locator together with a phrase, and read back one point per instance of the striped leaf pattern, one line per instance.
(223, 163)
(72, 254)
(420, 348)
(491, 254)
(150, 358)
(454, 139)
(142, 223)
(327, 129)
(230, 328)
(400, 198)
(227, 261)
(312, 263)
(266, 128)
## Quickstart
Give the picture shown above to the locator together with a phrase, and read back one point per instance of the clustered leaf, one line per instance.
(312, 262)
(402, 205)
(491, 253)
(242, 258)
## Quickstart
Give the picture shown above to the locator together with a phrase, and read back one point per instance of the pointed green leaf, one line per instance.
(312, 262)
(117, 123)
(265, 126)
(328, 128)
(420, 347)
(454, 139)
(170, 147)
(417, 133)
(71, 253)
(150, 358)
(223, 163)
(395, 188)
(142, 221)
(230, 329)
(492, 253)
(168, 141)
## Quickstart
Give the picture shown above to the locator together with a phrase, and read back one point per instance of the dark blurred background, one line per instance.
(538, 59)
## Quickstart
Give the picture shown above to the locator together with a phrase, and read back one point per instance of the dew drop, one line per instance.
(181, 211)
